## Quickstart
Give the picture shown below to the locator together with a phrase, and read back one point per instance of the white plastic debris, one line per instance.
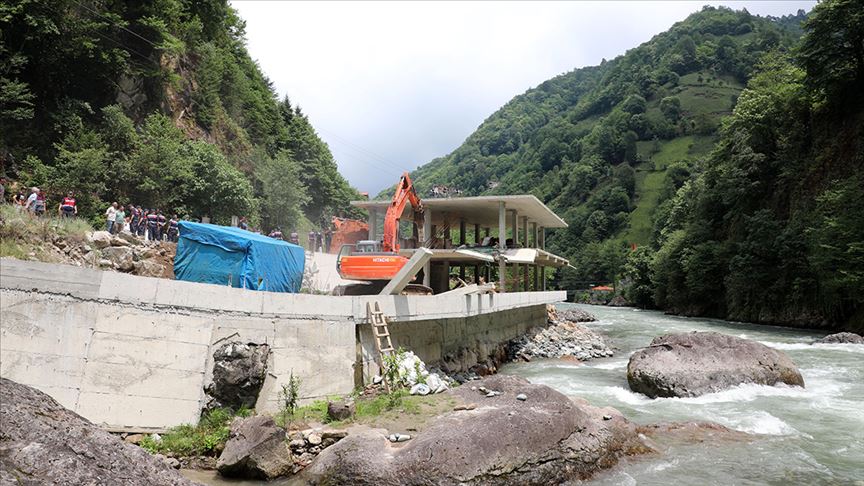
(398, 437)
(420, 389)
(377, 379)
(414, 372)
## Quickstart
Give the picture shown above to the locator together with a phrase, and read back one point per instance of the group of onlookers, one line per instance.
(150, 224)
(36, 203)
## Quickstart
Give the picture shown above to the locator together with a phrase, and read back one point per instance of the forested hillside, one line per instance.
(601, 145)
(770, 227)
(742, 203)
(155, 103)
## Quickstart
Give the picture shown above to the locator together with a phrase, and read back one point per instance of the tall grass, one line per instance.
(26, 228)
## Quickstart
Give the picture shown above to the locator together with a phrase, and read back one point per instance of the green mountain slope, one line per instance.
(604, 145)
(156, 103)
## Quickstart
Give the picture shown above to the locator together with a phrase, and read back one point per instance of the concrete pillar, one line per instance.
(477, 238)
(373, 224)
(543, 277)
(542, 238)
(514, 227)
(502, 235)
(534, 236)
(488, 231)
(426, 241)
(525, 268)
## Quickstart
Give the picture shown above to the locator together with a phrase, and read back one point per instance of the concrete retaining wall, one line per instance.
(136, 352)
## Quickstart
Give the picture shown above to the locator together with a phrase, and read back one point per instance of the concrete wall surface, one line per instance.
(131, 352)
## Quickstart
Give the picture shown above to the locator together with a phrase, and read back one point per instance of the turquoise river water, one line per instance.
(809, 436)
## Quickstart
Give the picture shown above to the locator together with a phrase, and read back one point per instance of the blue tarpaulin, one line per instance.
(226, 255)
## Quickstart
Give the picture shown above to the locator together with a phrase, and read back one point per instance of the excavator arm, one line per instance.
(405, 193)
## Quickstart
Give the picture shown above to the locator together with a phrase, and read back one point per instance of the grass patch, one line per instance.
(24, 227)
(206, 438)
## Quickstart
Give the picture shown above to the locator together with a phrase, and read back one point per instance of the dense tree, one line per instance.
(106, 98)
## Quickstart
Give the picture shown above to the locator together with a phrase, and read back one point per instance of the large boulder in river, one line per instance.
(841, 338)
(256, 449)
(526, 435)
(43, 443)
(696, 363)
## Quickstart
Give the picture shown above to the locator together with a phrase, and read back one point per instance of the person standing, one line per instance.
(173, 229)
(163, 224)
(134, 216)
(153, 225)
(243, 224)
(109, 217)
(328, 238)
(119, 220)
(276, 234)
(68, 207)
(142, 222)
(39, 204)
(294, 237)
(30, 204)
(312, 241)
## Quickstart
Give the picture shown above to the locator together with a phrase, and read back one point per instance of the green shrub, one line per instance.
(205, 438)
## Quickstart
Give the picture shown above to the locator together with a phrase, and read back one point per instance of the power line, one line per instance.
(369, 153)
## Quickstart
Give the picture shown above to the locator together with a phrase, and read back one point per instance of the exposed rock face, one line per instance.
(43, 443)
(563, 336)
(689, 365)
(238, 373)
(120, 257)
(256, 449)
(545, 439)
(574, 315)
(841, 338)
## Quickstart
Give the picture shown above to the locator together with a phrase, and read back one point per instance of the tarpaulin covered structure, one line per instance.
(226, 255)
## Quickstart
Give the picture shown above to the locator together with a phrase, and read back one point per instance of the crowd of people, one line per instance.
(148, 223)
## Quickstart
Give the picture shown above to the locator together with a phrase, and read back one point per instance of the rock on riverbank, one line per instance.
(692, 364)
(562, 336)
(526, 434)
(43, 443)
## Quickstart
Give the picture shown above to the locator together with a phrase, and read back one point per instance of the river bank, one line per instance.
(807, 436)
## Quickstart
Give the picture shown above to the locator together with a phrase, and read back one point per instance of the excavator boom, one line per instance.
(405, 193)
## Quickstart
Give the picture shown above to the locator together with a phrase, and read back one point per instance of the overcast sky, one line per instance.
(390, 86)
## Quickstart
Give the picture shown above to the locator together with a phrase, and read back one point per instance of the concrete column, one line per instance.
(373, 224)
(525, 268)
(514, 226)
(477, 238)
(426, 240)
(502, 235)
(534, 236)
(461, 232)
(542, 237)
(488, 231)
(543, 277)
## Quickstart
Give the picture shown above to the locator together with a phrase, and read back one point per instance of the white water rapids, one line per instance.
(809, 436)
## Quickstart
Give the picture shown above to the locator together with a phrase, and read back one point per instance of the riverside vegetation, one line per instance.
(728, 149)
(157, 103)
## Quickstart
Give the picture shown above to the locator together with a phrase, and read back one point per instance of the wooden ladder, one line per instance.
(381, 334)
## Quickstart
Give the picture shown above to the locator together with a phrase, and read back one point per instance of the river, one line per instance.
(812, 436)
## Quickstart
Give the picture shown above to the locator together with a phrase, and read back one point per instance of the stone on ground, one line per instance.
(256, 449)
(547, 439)
(100, 239)
(841, 338)
(43, 443)
(693, 364)
(121, 257)
(340, 410)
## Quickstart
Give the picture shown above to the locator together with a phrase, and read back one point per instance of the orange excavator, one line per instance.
(371, 260)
